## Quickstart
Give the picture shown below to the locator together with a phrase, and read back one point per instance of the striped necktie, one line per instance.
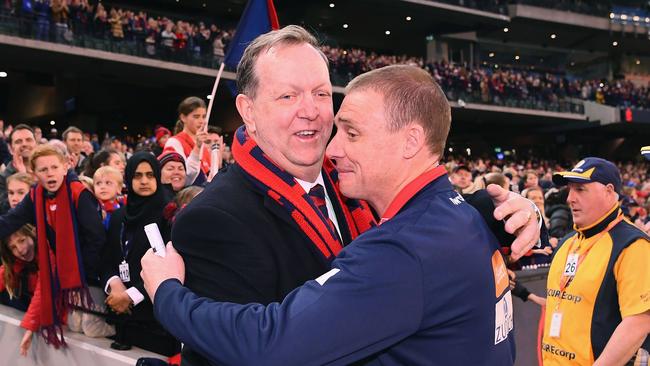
(317, 195)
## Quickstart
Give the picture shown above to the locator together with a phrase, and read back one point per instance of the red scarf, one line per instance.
(63, 280)
(188, 144)
(112, 205)
(283, 188)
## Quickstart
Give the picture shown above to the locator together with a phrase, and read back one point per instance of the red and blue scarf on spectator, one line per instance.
(284, 189)
(63, 282)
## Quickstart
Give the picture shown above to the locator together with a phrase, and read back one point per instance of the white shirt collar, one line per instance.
(307, 186)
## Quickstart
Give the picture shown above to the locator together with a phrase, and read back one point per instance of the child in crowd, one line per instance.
(18, 186)
(182, 199)
(108, 184)
(18, 273)
(18, 270)
(70, 237)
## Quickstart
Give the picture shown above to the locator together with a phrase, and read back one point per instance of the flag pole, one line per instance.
(212, 96)
(207, 118)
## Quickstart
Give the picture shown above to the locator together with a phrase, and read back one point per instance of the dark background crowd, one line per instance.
(204, 42)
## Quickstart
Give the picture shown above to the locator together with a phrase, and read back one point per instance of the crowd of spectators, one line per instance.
(198, 42)
(503, 86)
(83, 22)
(470, 175)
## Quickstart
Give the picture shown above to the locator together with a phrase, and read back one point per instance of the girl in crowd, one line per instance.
(18, 271)
(189, 138)
(180, 201)
(542, 255)
(127, 243)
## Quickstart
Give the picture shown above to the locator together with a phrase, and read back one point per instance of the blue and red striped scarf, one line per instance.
(278, 184)
(63, 282)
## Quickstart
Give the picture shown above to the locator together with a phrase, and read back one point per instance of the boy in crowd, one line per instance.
(108, 184)
(70, 237)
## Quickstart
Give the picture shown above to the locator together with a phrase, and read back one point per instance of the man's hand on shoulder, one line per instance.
(521, 218)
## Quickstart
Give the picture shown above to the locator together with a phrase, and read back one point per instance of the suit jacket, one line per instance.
(241, 246)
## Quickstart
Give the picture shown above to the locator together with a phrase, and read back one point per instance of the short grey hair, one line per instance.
(247, 80)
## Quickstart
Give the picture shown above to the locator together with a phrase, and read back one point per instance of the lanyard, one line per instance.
(565, 280)
(125, 245)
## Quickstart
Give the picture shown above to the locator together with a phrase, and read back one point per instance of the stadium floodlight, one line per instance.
(209, 97)
(3, 74)
(387, 33)
(491, 54)
(612, 15)
(517, 57)
(332, 5)
(52, 123)
(553, 36)
(623, 16)
(647, 19)
(408, 19)
(635, 18)
(614, 43)
(345, 26)
(638, 62)
(506, 30)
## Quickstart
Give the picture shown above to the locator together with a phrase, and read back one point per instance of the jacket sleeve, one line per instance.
(483, 203)
(32, 318)
(18, 216)
(111, 253)
(91, 232)
(355, 310)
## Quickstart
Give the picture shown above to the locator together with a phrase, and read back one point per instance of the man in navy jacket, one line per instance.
(427, 286)
(255, 234)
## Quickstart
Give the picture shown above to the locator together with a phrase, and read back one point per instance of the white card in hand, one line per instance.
(155, 239)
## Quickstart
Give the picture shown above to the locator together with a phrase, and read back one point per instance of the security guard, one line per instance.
(598, 303)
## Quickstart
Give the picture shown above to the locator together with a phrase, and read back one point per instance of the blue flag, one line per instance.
(258, 18)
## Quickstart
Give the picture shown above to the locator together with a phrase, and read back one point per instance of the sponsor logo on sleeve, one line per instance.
(504, 319)
(501, 280)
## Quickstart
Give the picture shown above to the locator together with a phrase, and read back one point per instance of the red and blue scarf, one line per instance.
(278, 184)
(62, 282)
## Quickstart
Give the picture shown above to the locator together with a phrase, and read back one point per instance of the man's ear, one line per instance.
(414, 140)
(244, 106)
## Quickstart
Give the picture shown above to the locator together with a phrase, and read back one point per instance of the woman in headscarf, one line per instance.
(127, 243)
